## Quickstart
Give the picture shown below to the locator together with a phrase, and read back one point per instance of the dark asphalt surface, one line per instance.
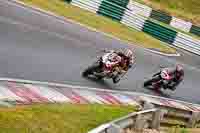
(38, 47)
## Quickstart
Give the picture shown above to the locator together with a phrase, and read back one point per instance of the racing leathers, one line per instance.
(124, 64)
(176, 78)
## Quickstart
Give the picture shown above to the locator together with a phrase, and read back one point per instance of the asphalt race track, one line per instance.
(39, 47)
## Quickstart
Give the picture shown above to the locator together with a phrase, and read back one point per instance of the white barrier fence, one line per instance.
(139, 9)
(135, 16)
(91, 5)
(180, 24)
(133, 20)
(187, 42)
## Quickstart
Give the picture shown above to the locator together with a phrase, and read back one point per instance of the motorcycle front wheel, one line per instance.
(150, 81)
(116, 79)
(147, 83)
(86, 72)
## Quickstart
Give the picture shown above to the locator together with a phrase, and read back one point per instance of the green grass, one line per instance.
(100, 23)
(58, 118)
(185, 9)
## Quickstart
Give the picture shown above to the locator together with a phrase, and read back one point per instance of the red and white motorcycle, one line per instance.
(159, 81)
(105, 67)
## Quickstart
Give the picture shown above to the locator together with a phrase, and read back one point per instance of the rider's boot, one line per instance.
(116, 77)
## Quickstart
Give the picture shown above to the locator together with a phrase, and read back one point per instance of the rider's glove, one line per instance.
(130, 65)
(123, 71)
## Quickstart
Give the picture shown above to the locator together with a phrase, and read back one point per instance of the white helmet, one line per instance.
(128, 53)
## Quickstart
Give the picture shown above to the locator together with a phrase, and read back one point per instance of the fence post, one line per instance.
(139, 123)
(156, 119)
(194, 118)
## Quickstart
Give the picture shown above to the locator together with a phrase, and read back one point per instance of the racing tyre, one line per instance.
(87, 72)
(90, 70)
(150, 81)
(116, 79)
(147, 83)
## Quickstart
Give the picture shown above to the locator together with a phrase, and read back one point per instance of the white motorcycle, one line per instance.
(105, 67)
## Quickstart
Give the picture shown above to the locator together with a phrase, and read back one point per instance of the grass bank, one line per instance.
(100, 23)
(185, 9)
(58, 118)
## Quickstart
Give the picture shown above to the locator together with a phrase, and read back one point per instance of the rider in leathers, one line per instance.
(177, 74)
(127, 60)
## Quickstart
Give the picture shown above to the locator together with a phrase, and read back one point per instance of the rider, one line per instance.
(126, 62)
(177, 74)
(127, 59)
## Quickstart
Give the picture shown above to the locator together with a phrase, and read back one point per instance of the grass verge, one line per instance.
(58, 118)
(100, 23)
(185, 9)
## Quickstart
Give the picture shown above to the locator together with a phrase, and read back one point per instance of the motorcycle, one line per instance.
(104, 68)
(159, 81)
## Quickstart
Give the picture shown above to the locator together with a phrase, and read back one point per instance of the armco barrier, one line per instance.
(122, 3)
(172, 21)
(91, 5)
(134, 119)
(111, 10)
(139, 9)
(139, 120)
(162, 117)
(181, 24)
(160, 32)
(178, 116)
(136, 15)
(133, 20)
(195, 30)
(115, 9)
